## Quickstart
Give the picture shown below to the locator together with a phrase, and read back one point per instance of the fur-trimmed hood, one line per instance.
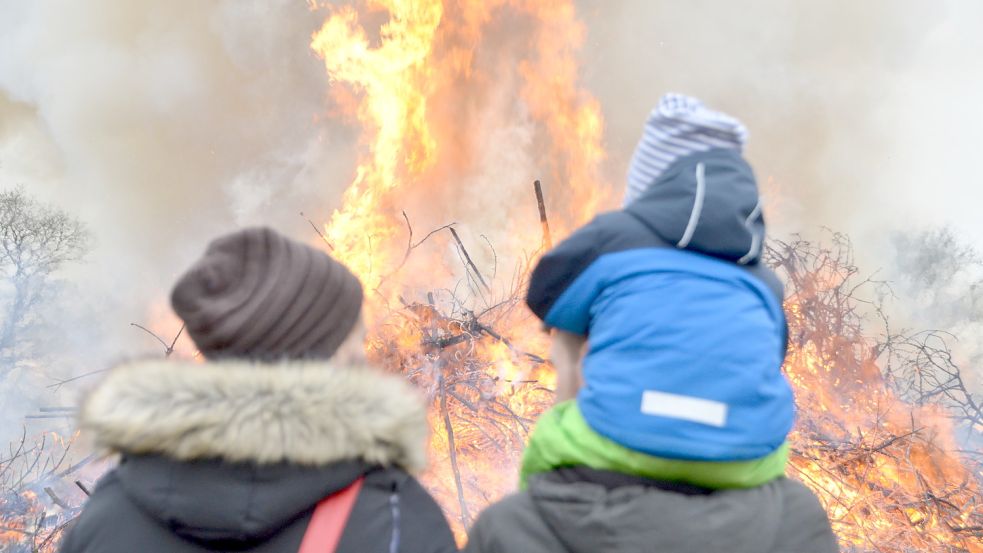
(305, 413)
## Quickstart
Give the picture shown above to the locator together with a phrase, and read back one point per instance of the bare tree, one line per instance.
(943, 274)
(36, 240)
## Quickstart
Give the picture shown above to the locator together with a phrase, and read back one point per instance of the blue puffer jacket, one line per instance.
(686, 330)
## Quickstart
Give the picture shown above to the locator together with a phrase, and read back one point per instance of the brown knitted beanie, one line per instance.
(258, 294)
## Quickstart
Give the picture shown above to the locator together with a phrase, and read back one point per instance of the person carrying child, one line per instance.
(670, 430)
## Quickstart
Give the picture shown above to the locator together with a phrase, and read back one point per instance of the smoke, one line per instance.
(940, 275)
(162, 124)
(863, 116)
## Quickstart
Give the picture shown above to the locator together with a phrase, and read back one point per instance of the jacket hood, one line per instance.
(305, 413)
(588, 517)
(706, 202)
(232, 451)
(227, 506)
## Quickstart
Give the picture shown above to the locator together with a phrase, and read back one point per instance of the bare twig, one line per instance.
(61, 383)
(152, 333)
(170, 348)
(318, 231)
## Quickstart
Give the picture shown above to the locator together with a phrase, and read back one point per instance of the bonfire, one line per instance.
(886, 466)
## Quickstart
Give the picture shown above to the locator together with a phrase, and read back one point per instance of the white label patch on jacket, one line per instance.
(704, 411)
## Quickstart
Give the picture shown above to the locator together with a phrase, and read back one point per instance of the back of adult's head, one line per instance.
(257, 294)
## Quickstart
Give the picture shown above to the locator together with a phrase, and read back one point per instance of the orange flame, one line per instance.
(461, 106)
(444, 139)
(403, 82)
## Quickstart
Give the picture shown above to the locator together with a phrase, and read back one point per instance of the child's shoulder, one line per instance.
(614, 231)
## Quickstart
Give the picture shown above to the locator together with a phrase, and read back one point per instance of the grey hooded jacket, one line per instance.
(558, 514)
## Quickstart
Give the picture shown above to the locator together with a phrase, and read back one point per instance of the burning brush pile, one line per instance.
(40, 492)
(881, 415)
(463, 104)
(881, 419)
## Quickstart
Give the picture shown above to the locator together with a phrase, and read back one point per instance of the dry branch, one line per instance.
(318, 231)
(547, 236)
(467, 257)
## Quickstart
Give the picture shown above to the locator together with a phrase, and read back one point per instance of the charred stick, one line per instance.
(170, 348)
(318, 231)
(463, 401)
(61, 383)
(432, 332)
(410, 244)
(441, 343)
(55, 499)
(82, 487)
(452, 450)
(413, 245)
(152, 333)
(88, 459)
(39, 524)
(547, 236)
(467, 258)
(491, 332)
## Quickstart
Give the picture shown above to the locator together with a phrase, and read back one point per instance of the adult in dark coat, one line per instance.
(235, 453)
(583, 510)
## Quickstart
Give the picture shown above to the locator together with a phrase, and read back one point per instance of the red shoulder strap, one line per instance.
(329, 519)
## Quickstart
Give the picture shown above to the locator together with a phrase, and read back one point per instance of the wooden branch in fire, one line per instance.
(467, 258)
(543, 220)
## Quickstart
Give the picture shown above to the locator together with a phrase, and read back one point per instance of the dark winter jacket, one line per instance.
(686, 329)
(580, 510)
(234, 456)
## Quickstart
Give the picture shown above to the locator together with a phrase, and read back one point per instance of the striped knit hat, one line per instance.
(679, 126)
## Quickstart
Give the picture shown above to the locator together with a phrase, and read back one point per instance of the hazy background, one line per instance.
(866, 115)
(162, 124)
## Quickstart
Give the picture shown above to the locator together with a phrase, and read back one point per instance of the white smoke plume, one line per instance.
(162, 124)
(864, 115)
